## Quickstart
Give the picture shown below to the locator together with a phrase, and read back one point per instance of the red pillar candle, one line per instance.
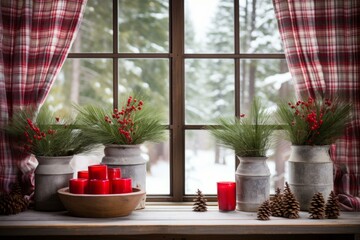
(99, 186)
(114, 173)
(98, 172)
(121, 185)
(83, 174)
(226, 192)
(78, 185)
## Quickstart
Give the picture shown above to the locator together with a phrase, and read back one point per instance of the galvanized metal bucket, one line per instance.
(310, 171)
(51, 174)
(132, 164)
(252, 183)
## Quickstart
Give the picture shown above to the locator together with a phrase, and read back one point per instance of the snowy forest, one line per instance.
(209, 83)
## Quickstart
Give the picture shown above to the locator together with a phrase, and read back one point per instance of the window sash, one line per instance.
(177, 56)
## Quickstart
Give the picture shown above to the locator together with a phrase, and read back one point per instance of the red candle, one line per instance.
(78, 185)
(98, 172)
(226, 192)
(99, 186)
(121, 185)
(83, 174)
(114, 173)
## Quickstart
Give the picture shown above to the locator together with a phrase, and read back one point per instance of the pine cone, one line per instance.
(317, 206)
(264, 211)
(332, 209)
(16, 189)
(275, 204)
(200, 202)
(290, 205)
(5, 204)
(13, 202)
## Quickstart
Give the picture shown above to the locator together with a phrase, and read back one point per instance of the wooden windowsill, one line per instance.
(173, 220)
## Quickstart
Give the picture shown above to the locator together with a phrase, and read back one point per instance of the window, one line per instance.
(195, 59)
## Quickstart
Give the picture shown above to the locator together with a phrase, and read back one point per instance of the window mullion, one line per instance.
(237, 60)
(236, 27)
(115, 51)
(177, 102)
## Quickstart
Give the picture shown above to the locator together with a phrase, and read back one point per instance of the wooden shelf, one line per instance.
(173, 221)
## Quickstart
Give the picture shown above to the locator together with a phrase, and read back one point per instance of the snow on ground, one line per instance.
(158, 182)
(202, 172)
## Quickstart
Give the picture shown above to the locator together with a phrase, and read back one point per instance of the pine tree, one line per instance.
(317, 206)
(264, 211)
(275, 204)
(332, 209)
(200, 202)
(220, 72)
(290, 205)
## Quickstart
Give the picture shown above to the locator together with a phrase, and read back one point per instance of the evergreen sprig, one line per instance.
(43, 133)
(248, 136)
(315, 121)
(134, 123)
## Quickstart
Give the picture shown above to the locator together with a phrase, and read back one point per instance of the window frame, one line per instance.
(177, 57)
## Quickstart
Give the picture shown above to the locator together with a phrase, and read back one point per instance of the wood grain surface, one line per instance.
(176, 220)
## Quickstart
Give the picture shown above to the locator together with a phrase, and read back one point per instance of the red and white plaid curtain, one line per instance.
(322, 46)
(35, 37)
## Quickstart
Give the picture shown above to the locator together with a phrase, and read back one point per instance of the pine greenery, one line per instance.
(248, 136)
(43, 133)
(146, 125)
(315, 122)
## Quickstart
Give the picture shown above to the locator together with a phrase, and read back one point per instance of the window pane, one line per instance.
(209, 89)
(277, 162)
(209, 26)
(206, 163)
(144, 26)
(96, 29)
(148, 76)
(158, 168)
(82, 81)
(80, 162)
(258, 27)
(267, 79)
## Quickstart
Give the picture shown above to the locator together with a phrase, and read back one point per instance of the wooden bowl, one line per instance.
(100, 206)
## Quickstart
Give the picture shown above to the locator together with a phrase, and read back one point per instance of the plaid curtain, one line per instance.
(35, 37)
(322, 46)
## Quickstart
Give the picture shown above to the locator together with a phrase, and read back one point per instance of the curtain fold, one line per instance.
(321, 41)
(35, 38)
